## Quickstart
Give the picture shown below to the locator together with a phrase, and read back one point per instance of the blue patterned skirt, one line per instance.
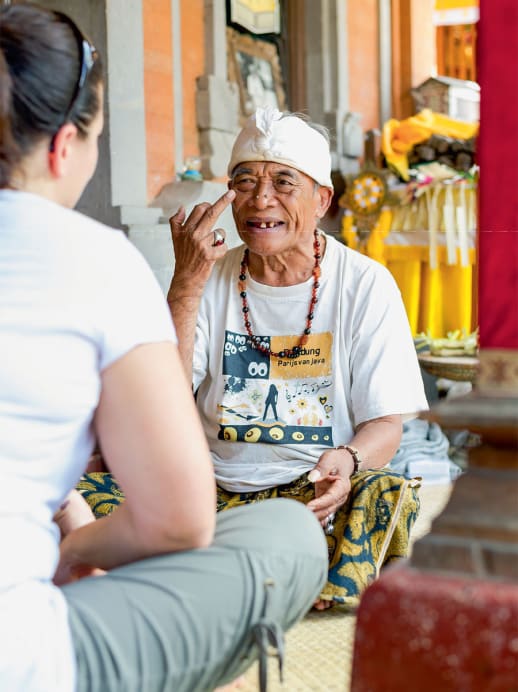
(371, 529)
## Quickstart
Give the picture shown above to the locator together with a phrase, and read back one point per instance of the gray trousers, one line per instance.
(193, 620)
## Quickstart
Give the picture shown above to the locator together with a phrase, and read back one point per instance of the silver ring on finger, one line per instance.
(329, 526)
(219, 238)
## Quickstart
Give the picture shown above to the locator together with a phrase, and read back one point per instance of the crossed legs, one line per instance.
(185, 621)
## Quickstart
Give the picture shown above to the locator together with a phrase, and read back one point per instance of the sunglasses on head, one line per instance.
(88, 55)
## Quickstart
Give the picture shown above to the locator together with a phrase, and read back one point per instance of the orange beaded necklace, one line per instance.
(256, 341)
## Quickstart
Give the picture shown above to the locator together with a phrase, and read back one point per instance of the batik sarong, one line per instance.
(370, 530)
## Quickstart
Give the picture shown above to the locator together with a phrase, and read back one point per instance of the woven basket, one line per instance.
(459, 368)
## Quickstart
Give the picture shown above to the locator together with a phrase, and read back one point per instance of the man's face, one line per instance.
(276, 206)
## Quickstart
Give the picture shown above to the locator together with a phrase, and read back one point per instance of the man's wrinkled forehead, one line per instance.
(272, 169)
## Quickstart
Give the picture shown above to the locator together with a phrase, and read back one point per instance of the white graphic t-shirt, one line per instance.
(268, 419)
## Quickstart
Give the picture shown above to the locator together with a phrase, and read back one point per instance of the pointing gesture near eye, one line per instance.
(197, 246)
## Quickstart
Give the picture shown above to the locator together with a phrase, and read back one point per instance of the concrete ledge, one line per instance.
(139, 215)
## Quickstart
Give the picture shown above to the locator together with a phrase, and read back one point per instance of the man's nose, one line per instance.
(262, 193)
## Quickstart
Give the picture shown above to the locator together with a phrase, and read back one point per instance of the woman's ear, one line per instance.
(60, 151)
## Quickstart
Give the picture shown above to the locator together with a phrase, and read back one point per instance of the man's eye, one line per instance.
(283, 183)
(245, 182)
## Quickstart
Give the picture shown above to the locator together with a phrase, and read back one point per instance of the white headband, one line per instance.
(268, 136)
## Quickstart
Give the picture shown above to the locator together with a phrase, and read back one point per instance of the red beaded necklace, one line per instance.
(256, 343)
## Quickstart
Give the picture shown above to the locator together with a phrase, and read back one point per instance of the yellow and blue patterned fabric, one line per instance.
(370, 530)
(101, 491)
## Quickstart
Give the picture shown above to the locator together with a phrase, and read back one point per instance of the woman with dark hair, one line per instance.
(158, 595)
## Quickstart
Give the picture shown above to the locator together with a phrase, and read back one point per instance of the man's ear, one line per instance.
(325, 196)
(61, 150)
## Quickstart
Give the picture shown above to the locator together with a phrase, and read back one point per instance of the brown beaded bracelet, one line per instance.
(355, 455)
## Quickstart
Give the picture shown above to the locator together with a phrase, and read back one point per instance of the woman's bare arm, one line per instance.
(153, 442)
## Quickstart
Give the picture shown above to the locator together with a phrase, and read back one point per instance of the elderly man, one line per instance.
(299, 350)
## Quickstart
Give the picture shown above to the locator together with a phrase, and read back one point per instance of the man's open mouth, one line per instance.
(264, 225)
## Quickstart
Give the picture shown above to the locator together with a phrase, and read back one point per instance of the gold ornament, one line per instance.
(366, 201)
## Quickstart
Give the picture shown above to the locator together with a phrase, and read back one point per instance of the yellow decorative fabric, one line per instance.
(375, 246)
(436, 300)
(400, 136)
(429, 209)
(349, 235)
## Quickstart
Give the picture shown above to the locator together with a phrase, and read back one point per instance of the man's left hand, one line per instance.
(332, 483)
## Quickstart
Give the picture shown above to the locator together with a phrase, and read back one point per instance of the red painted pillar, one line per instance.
(498, 158)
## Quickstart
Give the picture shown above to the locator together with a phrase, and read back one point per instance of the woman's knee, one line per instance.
(275, 525)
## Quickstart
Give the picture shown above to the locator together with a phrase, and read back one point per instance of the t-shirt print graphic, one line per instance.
(273, 400)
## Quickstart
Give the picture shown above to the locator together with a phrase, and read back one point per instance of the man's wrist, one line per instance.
(186, 288)
(188, 296)
(355, 456)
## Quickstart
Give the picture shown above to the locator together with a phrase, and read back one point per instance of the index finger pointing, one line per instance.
(220, 204)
